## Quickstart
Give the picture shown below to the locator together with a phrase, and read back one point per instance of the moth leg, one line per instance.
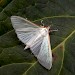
(26, 47)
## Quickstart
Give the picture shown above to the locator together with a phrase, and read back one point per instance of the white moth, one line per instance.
(34, 37)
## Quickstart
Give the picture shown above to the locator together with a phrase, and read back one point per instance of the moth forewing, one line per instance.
(50, 52)
(45, 54)
(24, 29)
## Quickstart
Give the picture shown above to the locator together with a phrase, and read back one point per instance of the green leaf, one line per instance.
(14, 69)
(60, 14)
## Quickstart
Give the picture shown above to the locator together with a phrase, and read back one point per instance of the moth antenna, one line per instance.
(42, 22)
(53, 30)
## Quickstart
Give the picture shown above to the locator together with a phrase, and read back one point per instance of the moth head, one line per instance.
(48, 28)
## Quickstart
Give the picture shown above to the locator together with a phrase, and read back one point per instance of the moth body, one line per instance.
(42, 33)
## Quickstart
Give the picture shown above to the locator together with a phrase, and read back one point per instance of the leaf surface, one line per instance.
(60, 14)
